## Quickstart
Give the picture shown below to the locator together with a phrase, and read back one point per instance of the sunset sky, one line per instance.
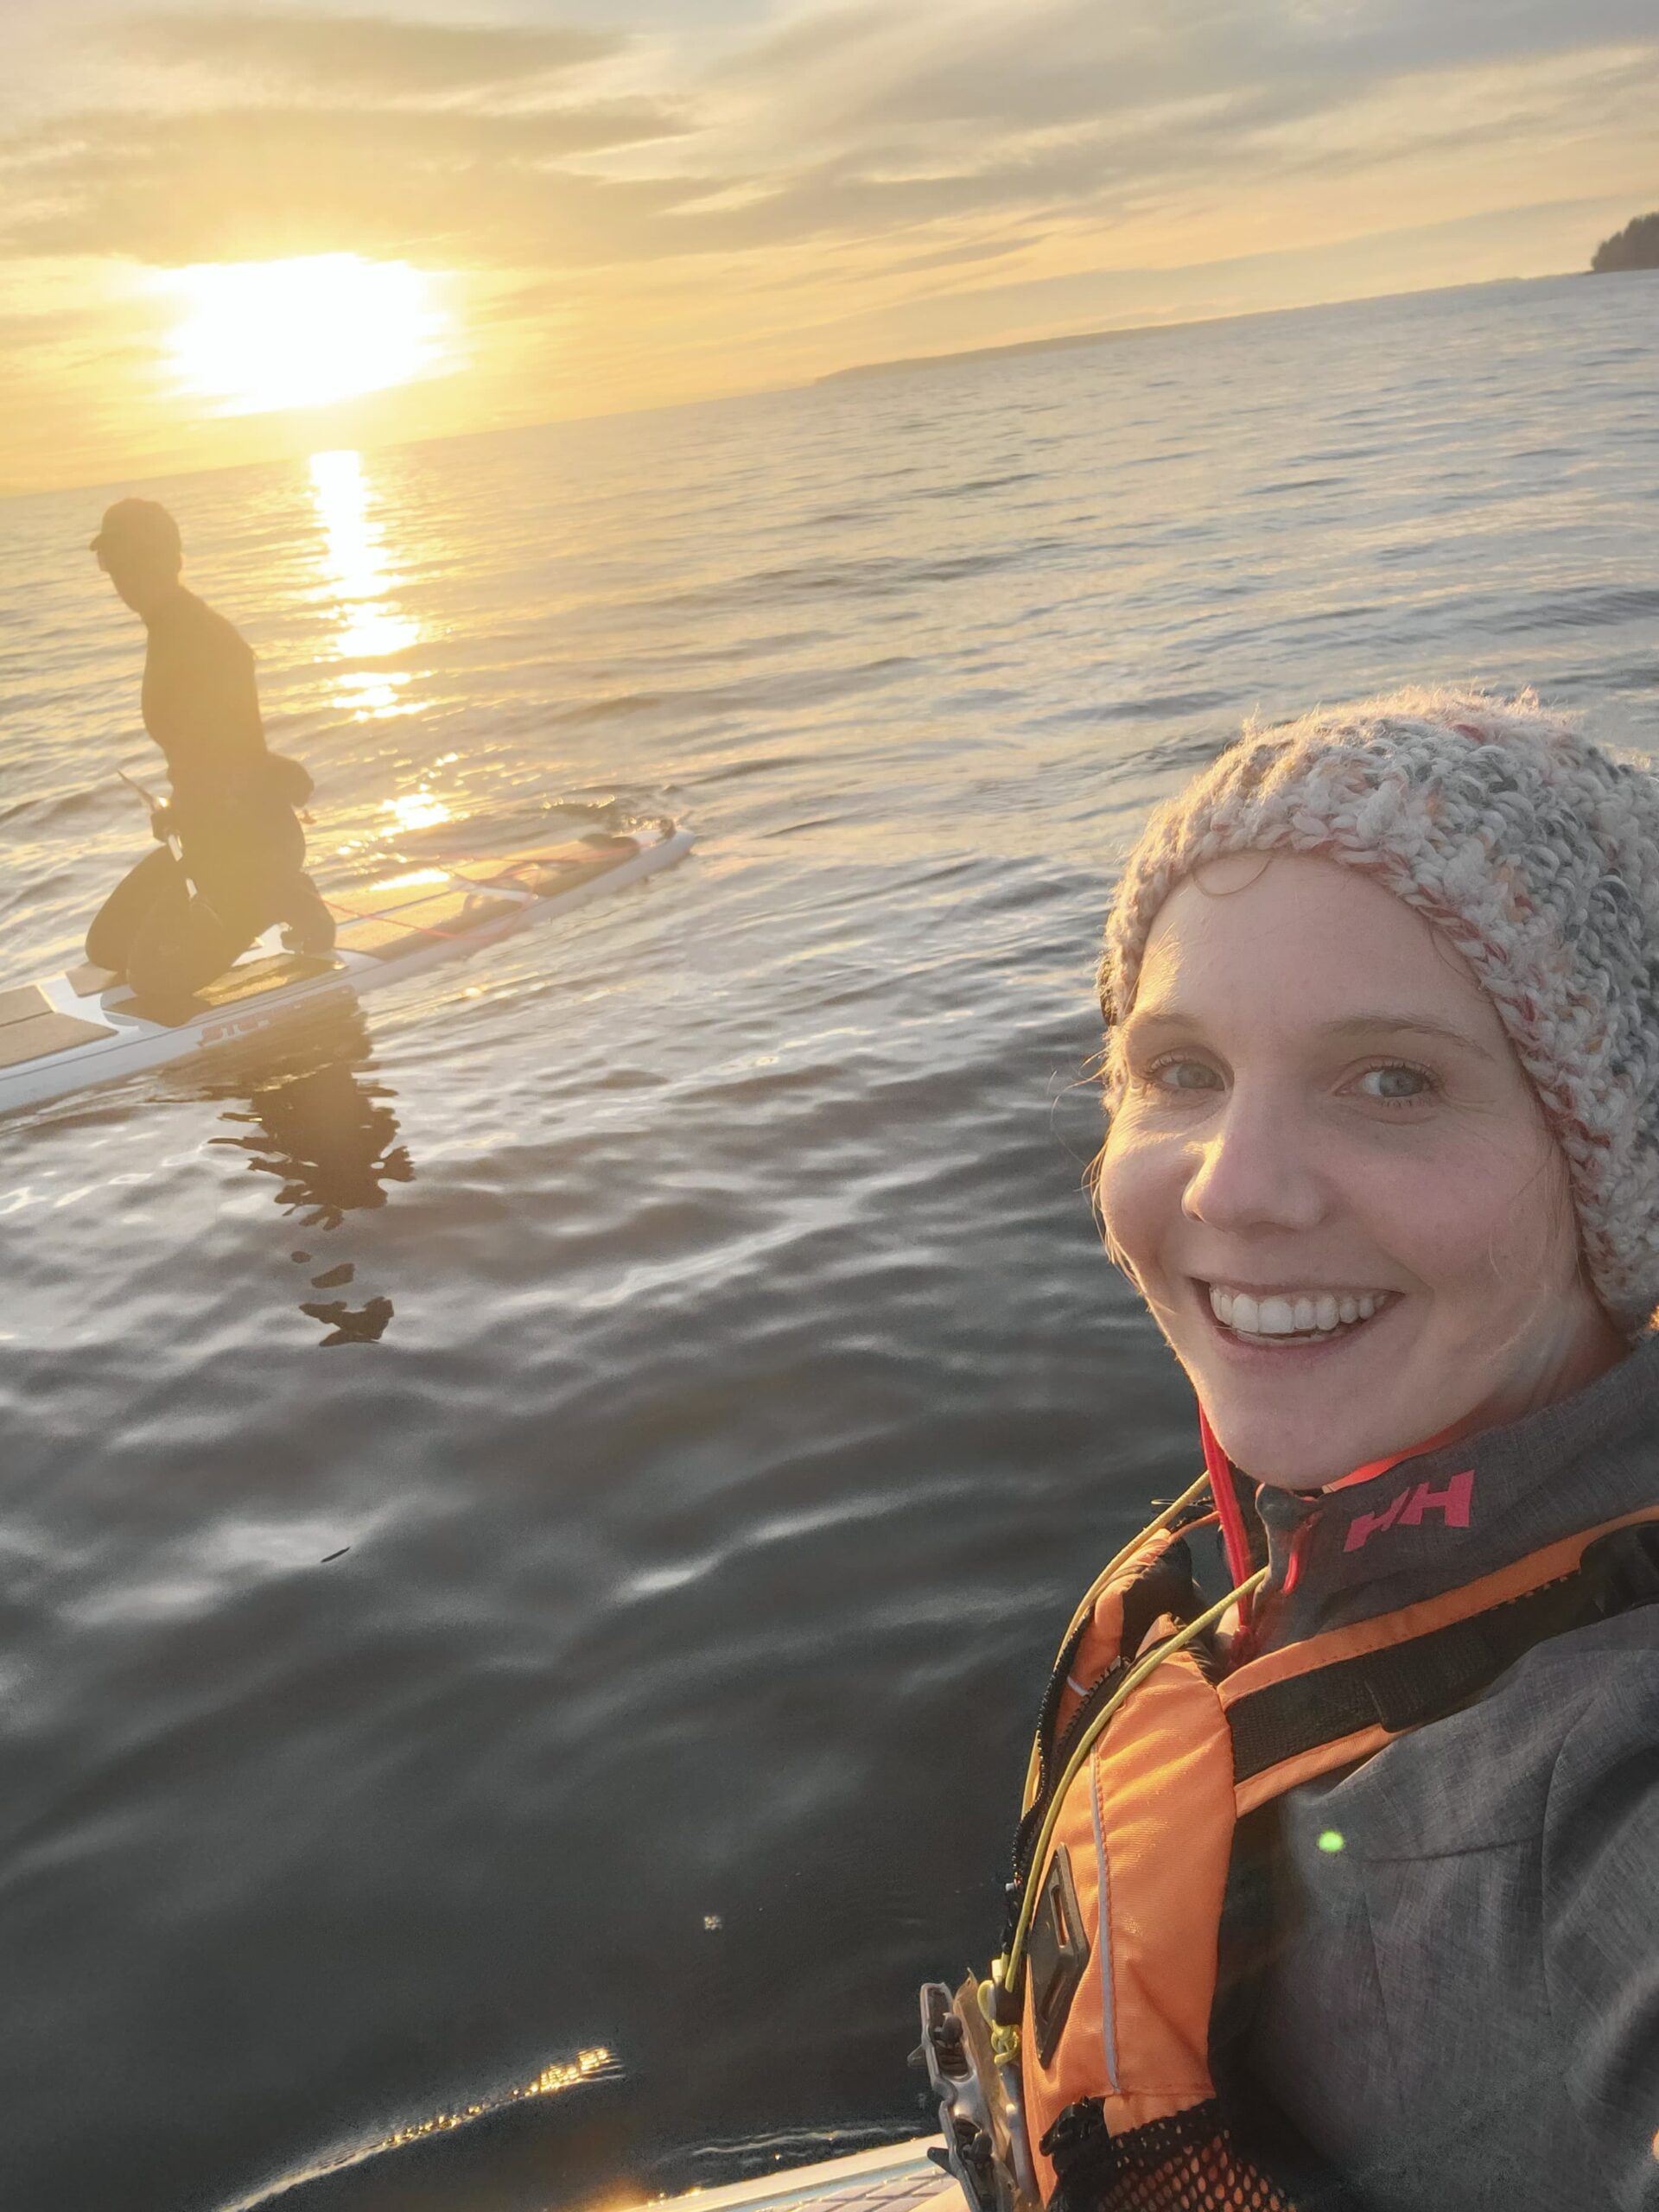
(235, 232)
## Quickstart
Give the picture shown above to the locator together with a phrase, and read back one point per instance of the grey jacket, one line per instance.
(1463, 2010)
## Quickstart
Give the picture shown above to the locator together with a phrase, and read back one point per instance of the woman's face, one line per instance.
(1332, 1182)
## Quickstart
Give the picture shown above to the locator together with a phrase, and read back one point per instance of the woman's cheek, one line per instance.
(1138, 1189)
(1480, 1219)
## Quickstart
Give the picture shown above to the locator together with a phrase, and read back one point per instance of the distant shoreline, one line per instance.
(1071, 338)
(1017, 345)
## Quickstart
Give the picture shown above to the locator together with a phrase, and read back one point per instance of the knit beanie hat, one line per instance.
(1534, 852)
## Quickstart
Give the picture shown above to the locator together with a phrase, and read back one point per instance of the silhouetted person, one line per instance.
(235, 862)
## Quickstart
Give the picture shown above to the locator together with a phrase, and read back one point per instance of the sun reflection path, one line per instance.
(421, 809)
(594, 2065)
(355, 563)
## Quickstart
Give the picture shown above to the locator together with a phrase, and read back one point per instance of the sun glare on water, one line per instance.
(259, 336)
(357, 576)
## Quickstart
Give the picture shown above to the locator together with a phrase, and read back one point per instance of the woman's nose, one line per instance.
(1254, 1170)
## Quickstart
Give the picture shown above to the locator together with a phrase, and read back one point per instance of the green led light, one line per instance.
(1332, 1840)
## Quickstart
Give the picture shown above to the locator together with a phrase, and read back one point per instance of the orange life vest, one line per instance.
(1100, 2013)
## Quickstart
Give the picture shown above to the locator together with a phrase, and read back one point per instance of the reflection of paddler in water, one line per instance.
(232, 849)
(318, 1122)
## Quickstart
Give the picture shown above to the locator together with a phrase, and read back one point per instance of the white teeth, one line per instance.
(1314, 1313)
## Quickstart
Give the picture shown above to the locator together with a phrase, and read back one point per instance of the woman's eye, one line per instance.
(1185, 1075)
(1396, 1081)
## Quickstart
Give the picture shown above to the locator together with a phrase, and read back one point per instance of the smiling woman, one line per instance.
(1381, 994)
(261, 336)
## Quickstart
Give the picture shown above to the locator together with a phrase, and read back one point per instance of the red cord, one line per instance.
(421, 929)
(1219, 1470)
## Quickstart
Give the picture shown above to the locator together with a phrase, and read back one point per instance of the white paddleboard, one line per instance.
(69, 1032)
(898, 2177)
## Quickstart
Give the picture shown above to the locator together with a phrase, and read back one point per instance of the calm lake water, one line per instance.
(568, 1669)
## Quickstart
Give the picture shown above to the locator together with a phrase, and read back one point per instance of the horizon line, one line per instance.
(1107, 332)
(895, 365)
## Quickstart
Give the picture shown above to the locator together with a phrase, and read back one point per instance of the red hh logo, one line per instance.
(1410, 1506)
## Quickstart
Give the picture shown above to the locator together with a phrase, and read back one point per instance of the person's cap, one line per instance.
(140, 524)
(1534, 850)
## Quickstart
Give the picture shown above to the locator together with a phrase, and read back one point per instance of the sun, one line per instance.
(260, 336)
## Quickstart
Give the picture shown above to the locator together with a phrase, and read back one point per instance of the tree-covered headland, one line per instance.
(1636, 246)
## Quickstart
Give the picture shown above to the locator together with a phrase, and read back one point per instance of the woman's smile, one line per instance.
(1279, 1334)
(1284, 1315)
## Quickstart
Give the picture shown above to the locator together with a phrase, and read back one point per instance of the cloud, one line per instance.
(881, 139)
(867, 119)
(243, 184)
(634, 221)
(955, 257)
(380, 57)
(859, 71)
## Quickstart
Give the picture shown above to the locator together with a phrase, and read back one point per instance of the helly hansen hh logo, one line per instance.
(1451, 1503)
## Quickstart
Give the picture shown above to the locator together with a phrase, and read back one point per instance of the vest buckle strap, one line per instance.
(981, 2102)
(1057, 1952)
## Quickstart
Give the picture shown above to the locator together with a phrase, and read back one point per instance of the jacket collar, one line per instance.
(1443, 1517)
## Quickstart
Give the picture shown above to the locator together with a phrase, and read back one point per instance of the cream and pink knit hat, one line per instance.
(1534, 851)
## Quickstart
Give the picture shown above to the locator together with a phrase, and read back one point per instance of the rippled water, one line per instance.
(533, 1525)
